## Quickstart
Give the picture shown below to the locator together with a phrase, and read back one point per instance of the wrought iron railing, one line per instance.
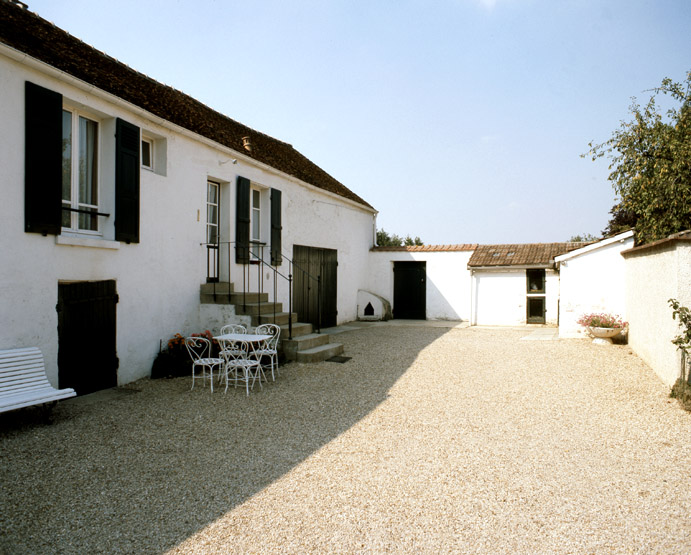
(254, 255)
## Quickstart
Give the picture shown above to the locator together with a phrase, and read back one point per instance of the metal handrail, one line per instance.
(259, 260)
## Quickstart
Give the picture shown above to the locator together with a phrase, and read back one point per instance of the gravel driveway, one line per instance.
(430, 439)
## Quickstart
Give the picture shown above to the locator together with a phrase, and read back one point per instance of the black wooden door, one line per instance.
(309, 263)
(410, 290)
(87, 358)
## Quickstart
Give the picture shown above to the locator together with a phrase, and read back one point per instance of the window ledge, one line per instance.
(72, 241)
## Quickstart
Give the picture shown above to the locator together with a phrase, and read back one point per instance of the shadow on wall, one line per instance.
(146, 471)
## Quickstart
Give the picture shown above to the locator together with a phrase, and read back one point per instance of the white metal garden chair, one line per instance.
(242, 365)
(199, 349)
(270, 347)
(233, 328)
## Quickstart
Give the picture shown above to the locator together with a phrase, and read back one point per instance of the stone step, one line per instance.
(318, 354)
(220, 287)
(281, 319)
(263, 308)
(224, 299)
(303, 343)
(299, 329)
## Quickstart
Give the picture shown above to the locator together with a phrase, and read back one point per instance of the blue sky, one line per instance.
(460, 121)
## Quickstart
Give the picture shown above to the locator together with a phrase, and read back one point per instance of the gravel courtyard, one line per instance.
(430, 439)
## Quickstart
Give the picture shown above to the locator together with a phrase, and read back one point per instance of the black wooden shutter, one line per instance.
(276, 227)
(42, 160)
(242, 221)
(126, 182)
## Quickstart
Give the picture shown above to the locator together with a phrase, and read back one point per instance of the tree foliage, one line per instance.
(583, 238)
(650, 165)
(386, 240)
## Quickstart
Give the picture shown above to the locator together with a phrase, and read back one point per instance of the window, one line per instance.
(147, 154)
(536, 281)
(82, 173)
(212, 192)
(79, 172)
(256, 215)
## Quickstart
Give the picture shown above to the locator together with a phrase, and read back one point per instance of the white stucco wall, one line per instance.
(158, 280)
(653, 276)
(500, 297)
(593, 279)
(448, 280)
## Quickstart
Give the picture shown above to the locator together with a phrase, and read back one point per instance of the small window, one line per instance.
(536, 281)
(147, 154)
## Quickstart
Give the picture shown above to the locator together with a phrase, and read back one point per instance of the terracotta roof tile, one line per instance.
(29, 33)
(428, 248)
(527, 254)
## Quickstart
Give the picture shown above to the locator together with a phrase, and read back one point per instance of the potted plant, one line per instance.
(603, 327)
(174, 360)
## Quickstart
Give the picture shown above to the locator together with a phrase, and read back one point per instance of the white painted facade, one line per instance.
(448, 280)
(500, 297)
(158, 280)
(654, 274)
(593, 279)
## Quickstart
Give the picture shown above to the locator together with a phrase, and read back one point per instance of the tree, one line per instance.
(650, 165)
(584, 238)
(386, 240)
(621, 220)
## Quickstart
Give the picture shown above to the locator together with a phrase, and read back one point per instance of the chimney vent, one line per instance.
(247, 144)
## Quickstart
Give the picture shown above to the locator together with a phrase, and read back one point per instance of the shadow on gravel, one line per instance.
(145, 467)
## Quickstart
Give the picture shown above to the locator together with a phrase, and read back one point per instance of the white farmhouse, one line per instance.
(122, 197)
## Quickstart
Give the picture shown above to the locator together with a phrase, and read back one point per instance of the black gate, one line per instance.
(309, 263)
(410, 290)
(87, 358)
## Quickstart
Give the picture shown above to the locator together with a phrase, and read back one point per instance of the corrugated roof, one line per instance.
(428, 248)
(29, 33)
(528, 254)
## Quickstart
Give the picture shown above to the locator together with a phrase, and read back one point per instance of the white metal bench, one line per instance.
(23, 380)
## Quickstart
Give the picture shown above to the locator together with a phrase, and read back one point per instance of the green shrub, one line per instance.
(682, 393)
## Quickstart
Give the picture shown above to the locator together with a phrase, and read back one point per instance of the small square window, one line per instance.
(147, 154)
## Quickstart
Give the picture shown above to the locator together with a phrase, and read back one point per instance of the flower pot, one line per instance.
(603, 336)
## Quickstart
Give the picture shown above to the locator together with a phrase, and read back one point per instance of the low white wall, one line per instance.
(448, 280)
(654, 275)
(593, 279)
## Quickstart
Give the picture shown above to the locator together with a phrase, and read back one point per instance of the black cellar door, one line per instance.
(87, 358)
(410, 290)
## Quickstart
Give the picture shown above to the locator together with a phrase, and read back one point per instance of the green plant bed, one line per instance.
(682, 393)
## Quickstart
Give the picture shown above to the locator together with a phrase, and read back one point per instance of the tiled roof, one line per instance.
(29, 33)
(529, 254)
(667, 242)
(428, 248)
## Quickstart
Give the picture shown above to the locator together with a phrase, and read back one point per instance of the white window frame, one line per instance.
(151, 144)
(74, 201)
(255, 214)
(210, 224)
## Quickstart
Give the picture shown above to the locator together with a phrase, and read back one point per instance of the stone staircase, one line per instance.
(305, 346)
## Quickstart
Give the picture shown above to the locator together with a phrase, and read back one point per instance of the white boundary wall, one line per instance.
(654, 274)
(592, 279)
(448, 280)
